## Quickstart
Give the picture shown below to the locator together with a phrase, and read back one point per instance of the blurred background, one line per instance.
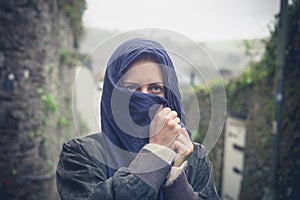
(51, 76)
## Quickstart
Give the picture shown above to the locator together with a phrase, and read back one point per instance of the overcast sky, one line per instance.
(200, 20)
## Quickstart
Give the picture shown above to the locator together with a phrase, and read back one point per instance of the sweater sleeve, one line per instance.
(175, 172)
(152, 165)
(167, 155)
(200, 184)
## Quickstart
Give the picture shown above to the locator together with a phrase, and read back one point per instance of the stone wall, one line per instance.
(35, 96)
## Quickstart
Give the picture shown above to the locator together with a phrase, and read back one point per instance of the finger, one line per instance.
(183, 139)
(163, 112)
(166, 110)
(173, 135)
(186, 141)
(172, 125)
(176, 129)
(180, 147)
(172, 115)
(176, 120)
(185, 133)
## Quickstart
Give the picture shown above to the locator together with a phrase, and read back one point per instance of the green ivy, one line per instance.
(63, 121)
(49, 103)
(31, 135)
(64, 56)
(74, 10)
(70, 59)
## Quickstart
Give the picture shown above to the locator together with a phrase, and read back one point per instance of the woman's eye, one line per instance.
(130, 87)
(156, 88)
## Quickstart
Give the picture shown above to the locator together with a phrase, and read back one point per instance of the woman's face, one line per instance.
(146, 77)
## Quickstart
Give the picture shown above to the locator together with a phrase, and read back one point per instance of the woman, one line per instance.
(144, 150)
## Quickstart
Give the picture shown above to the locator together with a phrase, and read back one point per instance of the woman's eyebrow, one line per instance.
(132, 83)
(156, 83)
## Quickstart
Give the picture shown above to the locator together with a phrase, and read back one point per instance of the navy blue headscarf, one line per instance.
(126, 115)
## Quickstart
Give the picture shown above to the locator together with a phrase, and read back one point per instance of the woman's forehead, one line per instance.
(143, 72)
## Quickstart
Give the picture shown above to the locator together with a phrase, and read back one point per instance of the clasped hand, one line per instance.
(165, 130)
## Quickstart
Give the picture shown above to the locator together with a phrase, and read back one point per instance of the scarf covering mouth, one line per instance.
(126, 115)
